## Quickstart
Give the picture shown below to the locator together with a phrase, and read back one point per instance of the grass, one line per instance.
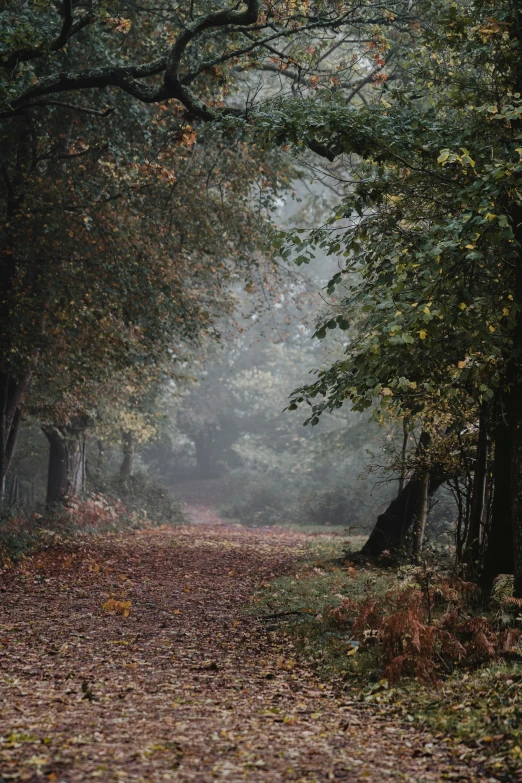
(326, 530)
(477, 709)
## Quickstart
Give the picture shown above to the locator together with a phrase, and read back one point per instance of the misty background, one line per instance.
(217, 436)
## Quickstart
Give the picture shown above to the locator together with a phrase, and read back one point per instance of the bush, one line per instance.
(126, 505)
(330, 506)
(416, 629)
(148, 498)
(274, 497)
(256, 499)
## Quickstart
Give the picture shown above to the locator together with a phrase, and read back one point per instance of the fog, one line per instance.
(218, 437)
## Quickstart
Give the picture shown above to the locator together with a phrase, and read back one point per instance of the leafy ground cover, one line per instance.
(474, 705)
(132, 505)
(129, 656)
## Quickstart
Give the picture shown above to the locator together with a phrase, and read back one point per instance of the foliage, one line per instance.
(195, 57)
(424, 230)
(146, 499)
(352, 623)
(140, 503)
(419, 622)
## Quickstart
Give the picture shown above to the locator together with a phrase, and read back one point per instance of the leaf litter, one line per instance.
(129, 657)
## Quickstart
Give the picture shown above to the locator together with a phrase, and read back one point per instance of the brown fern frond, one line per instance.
(509, 600)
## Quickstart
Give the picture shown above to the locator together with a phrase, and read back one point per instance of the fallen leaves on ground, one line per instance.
(129, 657)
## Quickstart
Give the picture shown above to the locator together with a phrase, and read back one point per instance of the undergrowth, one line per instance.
(130, 506)
(415, 642)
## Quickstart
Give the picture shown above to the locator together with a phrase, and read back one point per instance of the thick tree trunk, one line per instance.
(395, 523)
(471, 555)
(127, 465)
(66, 473)
(498, 554)
(17, 157)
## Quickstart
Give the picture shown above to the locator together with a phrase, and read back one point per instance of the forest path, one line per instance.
(179, 684)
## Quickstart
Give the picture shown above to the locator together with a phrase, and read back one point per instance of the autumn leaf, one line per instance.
(112, 606)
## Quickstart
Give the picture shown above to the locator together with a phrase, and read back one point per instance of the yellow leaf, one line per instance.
(462, 305)
(422, 334)
(117, 607)
(491, 328)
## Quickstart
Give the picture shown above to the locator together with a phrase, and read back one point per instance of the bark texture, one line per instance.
(11, 395)
(498, 553)
(514, 415)
(127, 464)
(66, 473)
(394, 524)
(471, 555)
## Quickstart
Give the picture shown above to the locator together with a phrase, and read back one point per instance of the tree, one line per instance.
(132, 262)
(431, 227)
(47, 51)
(202, 55)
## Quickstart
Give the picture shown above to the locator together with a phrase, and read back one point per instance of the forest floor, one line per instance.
(130, 657)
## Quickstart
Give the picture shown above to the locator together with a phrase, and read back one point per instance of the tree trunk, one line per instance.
(420, 513)
(498, 554)
(204, 445)
(11, 395)
(471, 555)
(127, 465)
(100, 462)
(514, 413)
(66, 473)
(404, 449)
(515, 424)
(393, 524)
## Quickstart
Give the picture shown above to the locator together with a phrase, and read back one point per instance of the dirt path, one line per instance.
(179, 685)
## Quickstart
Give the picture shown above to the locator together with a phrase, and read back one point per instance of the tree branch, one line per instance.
(216, 19)
(124, 77)
(62, 104)
(68, 19)
(69, 29)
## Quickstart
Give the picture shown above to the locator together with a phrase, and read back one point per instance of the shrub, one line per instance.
(257, 499)
(127, 505)
(148, 498)
(330, 506)
(425, 627)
